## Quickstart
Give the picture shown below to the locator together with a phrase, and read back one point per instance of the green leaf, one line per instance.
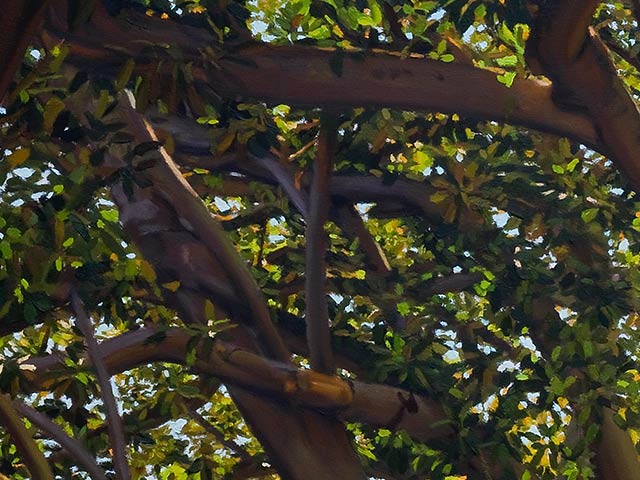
(507, 78)
(589, 214)
(110, 215)
(508, 61)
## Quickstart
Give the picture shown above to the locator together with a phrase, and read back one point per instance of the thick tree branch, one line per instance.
(376, 405)
(194, 215)
(72, 446)
(25, 444)
(584, 77)
(616, 455)
(317, 313)
(116, 431)
(277, 74)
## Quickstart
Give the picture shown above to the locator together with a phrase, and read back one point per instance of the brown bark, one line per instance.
(114, 421)
(26, 446)
(169, 185)
(180, 237)
(72, 446)
(316, 312)
(372, 404)
(571, 54)
(616, 455)
(299, 75)
(19, 21)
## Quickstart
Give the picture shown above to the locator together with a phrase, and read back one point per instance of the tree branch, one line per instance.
(276, 74)
(349, 220)
(569, 52)
(116, 431)
(317, 313)
(169, 183)
(25, 444)
(375, 405)
(616, 455)
(19, 21)
(231, 446)
(72, 446)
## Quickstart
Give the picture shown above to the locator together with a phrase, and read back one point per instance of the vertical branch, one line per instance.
(317, 315)
(114, 422)
(72, 446)
(27, 448)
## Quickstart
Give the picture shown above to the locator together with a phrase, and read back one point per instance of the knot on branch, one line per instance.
(407, 404)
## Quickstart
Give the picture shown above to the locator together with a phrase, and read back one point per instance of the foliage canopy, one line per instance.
(315, 239)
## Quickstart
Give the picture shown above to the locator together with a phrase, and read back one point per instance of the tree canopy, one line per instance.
(315, 239)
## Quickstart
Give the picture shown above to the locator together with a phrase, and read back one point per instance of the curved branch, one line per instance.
(116, 431)
(301, 75)
(27, 448)
(569, 51)
(376, 405)
(69, 444)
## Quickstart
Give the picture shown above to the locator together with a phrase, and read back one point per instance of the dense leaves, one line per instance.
(489, 268)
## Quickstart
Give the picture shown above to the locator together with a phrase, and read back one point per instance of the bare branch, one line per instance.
(116, 431)
(27, 448)
(72, 446)
(317, 313)
(616, 457)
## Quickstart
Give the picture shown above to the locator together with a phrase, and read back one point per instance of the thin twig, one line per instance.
(72, 446)
(116, 431)
(620, 51)
(317, 315)
(229, 445)
(349, 220)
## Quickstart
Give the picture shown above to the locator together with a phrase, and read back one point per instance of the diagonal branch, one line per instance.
(116, 431)
(229, 445)
(19, 21)
(317, 310)
(72, 446)
(25, 444)
(169, 183)
(351, 222)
